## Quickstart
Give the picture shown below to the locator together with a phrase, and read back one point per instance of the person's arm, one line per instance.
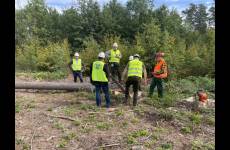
(107, 54)
(70, 65)
(164, 68)
(91, 69)
(124, 74)
(145, 74)
(106, 70)
(83, 66)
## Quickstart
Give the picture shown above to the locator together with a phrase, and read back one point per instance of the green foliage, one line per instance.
(190, 85)
(186, 130)
(132, 137)
(35, 57)
(103, 126)
(77, 122)
(195, 118)
(42, 34)
(199, 145)
(54, 57)
(210, 120)
(17, 107)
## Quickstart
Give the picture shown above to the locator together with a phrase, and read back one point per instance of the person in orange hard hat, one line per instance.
(159, 72)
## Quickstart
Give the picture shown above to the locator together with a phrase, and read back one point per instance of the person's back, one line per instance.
(99, 77)
(134, 71)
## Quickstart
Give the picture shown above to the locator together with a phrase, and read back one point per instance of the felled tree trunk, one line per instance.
(54, 86)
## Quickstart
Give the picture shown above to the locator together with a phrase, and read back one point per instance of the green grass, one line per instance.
(69, 111)
(58, 125)
(49, 109)
(119, 112)
(43, 75)
(62, 144)
(200, 145)
(166, 115)
(165, 146)
(17, 107)
(25, 146)
(135, 120)
(132, 137)
(77, 122)
(210, 121)
(186, 130)
(196, 119)
(69, 136)
(103, 126)
(124, 124)
(88, 107)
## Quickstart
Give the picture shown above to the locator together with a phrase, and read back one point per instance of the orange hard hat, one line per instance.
(202, 96)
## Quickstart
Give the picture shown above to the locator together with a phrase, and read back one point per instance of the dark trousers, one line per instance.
(105, 89)
(115, 70)
(159, 83)
(135, 81)
(77, 74)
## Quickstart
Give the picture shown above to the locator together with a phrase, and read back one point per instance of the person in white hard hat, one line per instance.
(99, 77)
(114, 60)
(134, 71)
(130, 58)
(76, 67)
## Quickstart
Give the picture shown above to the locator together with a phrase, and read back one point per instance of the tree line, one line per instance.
(188, 39)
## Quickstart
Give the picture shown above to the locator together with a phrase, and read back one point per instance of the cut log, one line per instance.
(54, 86)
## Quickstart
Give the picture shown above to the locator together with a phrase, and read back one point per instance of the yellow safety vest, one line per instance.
(135, 68)
(76, 66)
(113, 57)
(97, 72)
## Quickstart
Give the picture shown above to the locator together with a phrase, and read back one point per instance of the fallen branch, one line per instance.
(108, 145)
(61, 117)
(31, 142)
(146, 138)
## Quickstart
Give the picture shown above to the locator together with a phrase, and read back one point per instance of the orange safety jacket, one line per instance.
(160, 70)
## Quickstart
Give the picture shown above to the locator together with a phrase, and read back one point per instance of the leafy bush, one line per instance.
(32, 56)
(53, 57)
(190, 85)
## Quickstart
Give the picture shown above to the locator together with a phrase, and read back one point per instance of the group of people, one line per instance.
(132, 75)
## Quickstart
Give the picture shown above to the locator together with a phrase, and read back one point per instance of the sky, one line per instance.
(178, 4)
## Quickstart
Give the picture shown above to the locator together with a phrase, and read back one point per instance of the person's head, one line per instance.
(136, 56)
(76, 55)
(159, 56)
(101, 56)
(115, 46)
(130, 58)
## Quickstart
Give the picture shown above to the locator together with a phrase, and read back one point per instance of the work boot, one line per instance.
(110, 109)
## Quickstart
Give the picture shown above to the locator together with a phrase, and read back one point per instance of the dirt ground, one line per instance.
(52, 120)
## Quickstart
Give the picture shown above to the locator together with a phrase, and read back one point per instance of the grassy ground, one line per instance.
(144, 127)
(153, 124)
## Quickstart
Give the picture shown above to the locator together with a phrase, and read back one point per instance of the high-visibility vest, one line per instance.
(76, 66)
(113, 57)
(97, 72)
(135, 68)
(158, 69)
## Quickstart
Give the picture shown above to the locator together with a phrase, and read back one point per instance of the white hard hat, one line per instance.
(101, 55)
(130, 57)
(115, 44)
(76, 54)
(137, 55)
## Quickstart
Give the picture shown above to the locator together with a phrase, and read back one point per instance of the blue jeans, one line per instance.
(105, 89)
(77, 74)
